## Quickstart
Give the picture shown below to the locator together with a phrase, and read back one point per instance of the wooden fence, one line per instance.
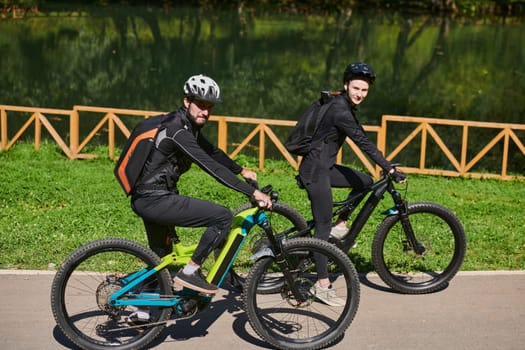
(416, 136)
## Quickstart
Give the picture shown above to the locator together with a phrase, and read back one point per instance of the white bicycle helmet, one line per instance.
(202, 87)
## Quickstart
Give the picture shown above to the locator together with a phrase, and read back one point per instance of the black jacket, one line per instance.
(338, 123)
(180, 144)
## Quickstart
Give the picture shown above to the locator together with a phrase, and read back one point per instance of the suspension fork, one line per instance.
(280, 257)
(402, 206)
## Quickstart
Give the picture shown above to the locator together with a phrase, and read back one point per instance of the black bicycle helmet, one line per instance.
(359, 70)
(202, 87)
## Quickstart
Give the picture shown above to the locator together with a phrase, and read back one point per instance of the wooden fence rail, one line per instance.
(419, 135)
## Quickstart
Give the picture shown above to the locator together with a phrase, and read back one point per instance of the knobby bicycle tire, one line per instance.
(310, 324)
(83, 284)
(438, 231)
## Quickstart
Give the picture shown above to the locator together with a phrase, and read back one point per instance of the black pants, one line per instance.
(163, 211)
(321, 199)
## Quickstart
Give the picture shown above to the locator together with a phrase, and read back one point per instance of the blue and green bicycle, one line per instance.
(103, 282)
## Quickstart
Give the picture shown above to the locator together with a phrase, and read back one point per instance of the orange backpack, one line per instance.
(136, 151)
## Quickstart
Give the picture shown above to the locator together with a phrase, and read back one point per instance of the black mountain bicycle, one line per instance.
(418, 247)
(103, 282)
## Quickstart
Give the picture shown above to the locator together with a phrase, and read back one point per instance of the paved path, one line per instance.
(484, 310)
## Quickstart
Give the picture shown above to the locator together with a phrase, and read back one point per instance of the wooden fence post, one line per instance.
(222, 134)
(38, 131)
(3, 129)
(73, 131)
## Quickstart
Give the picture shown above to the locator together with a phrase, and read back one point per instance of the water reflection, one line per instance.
(268, 64)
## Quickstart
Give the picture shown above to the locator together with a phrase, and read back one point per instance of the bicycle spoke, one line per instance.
(82, 289)
(283, 320)
(437, 232)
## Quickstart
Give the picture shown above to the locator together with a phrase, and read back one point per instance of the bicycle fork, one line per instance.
(280, 257)
(402, 207)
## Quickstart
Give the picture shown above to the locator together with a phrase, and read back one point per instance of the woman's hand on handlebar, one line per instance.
(397, 175)
(263, 200)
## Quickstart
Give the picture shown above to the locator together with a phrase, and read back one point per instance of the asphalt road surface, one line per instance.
(478, 310)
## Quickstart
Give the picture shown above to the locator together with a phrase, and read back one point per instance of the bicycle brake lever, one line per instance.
(274, 196)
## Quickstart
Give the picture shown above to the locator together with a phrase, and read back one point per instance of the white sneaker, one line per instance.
(326, 295)
(338, 231)
(138, 318)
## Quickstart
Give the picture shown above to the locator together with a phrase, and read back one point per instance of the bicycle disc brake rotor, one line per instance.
(421, 246)
(303, 285)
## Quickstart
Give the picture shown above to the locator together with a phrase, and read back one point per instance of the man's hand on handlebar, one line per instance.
(262, 200)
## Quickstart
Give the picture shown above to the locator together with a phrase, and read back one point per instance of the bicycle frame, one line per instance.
(375, 193)
(241, 226)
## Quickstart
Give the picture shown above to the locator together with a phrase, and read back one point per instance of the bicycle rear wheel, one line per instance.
(288, 323)
(88, 277)
(438, 231)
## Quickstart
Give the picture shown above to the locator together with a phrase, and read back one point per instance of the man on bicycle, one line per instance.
(157, 200)
(319, 173)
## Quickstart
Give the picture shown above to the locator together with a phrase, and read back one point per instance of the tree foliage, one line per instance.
(269, 62)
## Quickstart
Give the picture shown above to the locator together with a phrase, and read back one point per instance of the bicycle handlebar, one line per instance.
(394, 165)
(268, 190)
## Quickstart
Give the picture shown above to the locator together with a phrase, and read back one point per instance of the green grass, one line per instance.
(50, 205)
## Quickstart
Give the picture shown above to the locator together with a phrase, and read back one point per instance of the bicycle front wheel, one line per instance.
(441, 235)
(287, 322)
(88, 277)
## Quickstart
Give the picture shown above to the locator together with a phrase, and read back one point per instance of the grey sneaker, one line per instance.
(196, 282)
(338, 231)
(326, 295)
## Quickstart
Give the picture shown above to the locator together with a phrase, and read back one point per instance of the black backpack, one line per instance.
(299, 142)
(136, 151)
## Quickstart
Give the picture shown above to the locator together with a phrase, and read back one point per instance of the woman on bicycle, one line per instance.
(319, 173)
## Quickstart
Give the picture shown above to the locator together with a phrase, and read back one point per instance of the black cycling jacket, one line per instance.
(338, 123)
(181, 144)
